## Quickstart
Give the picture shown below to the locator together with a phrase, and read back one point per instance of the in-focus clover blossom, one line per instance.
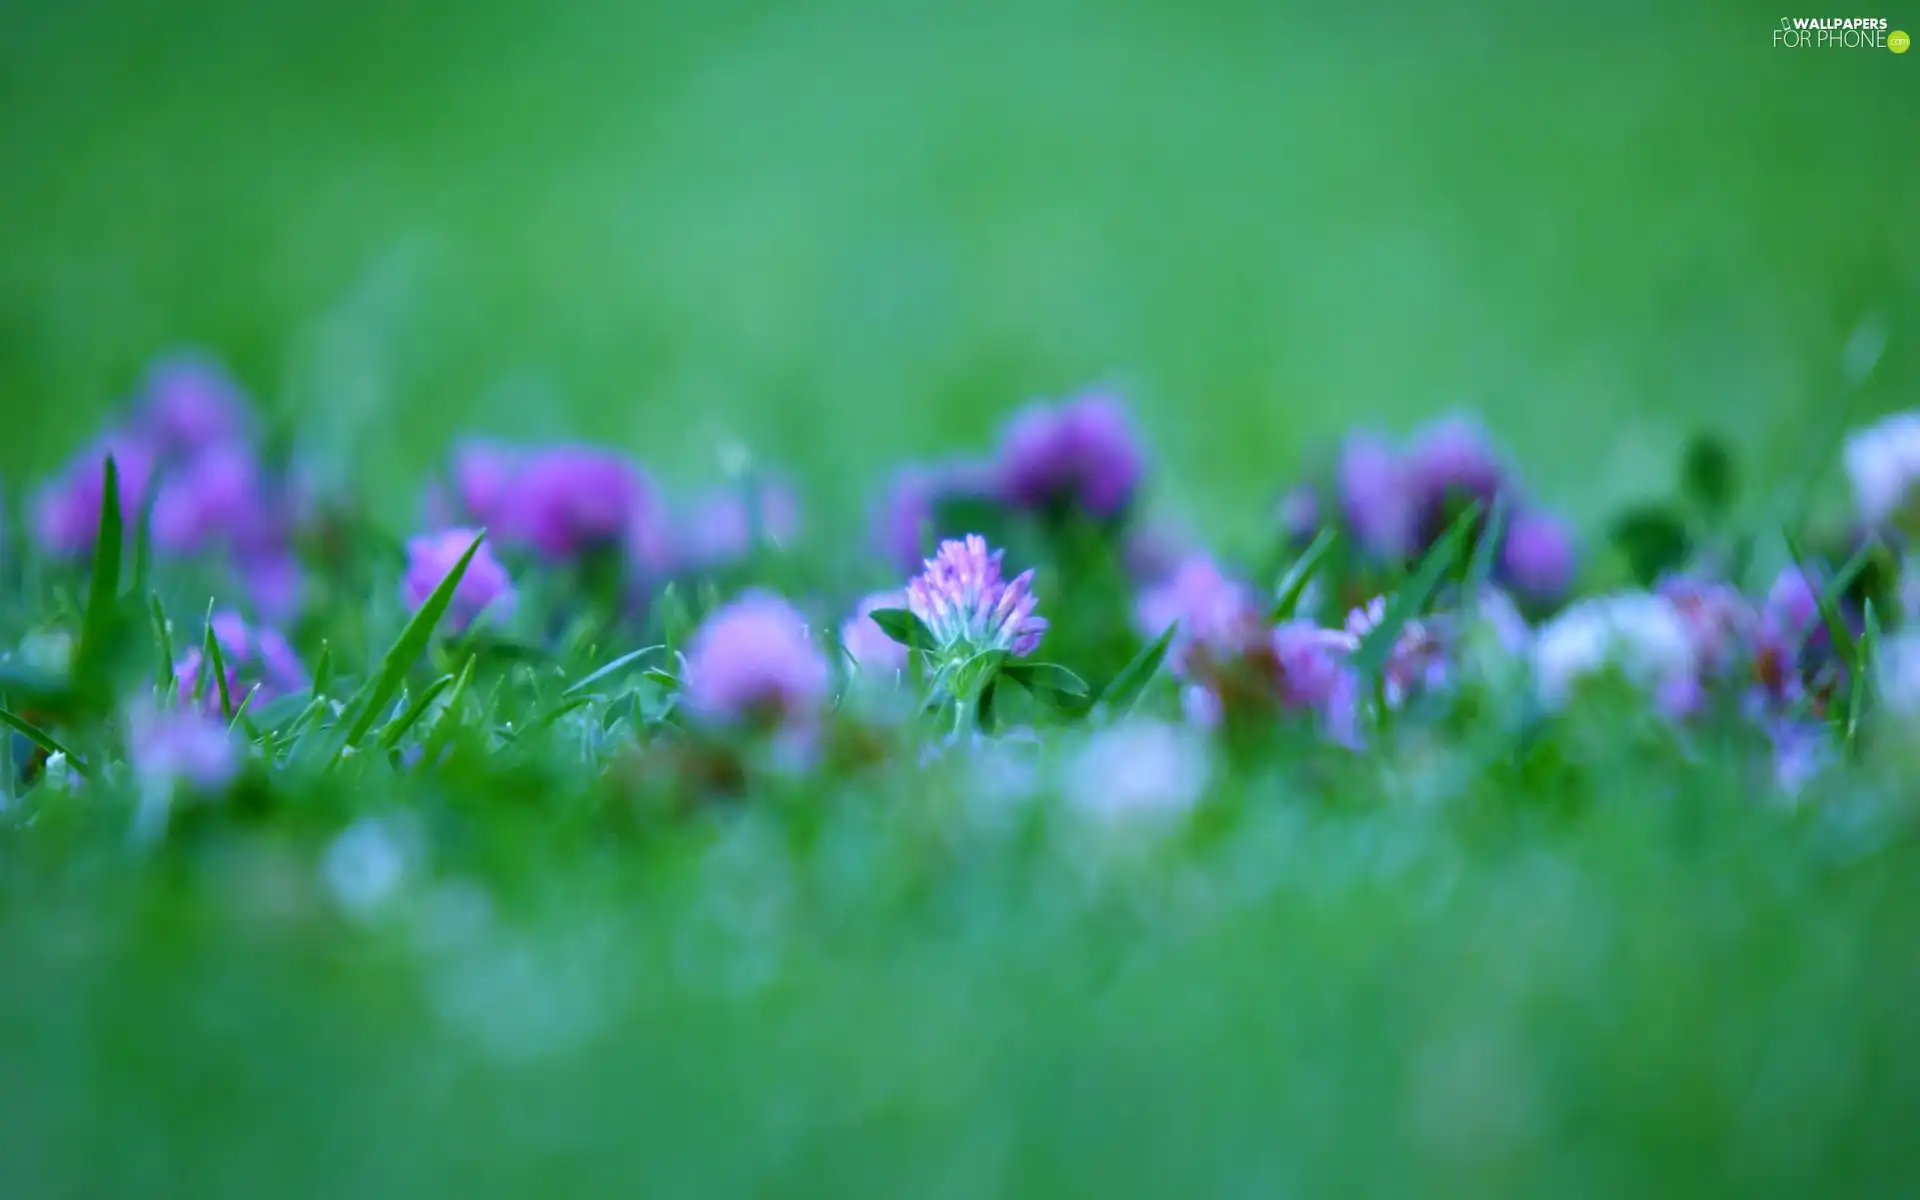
(751, 662)
(256, 656)
(179, 748)
(873, 652)
(906, 528)
(1082, 454)
(66, 511)
(1883, 462)
(969, 608)
(486, 588)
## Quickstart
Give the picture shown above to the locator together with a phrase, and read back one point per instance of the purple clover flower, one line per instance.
(1082, 453)
(66, 516)
(486, 478)
(1376, 497)
(1538, 558)
(1298, 514)
(1218, 616)
(968, 607)
(1418, 661)
(752, 662)
(1722, 622)
(906, 526)
(189, 404)
(275, 582)
(575, 498)
(180, 747)
(1453, 460)
(486, 588)
(256, 657)
(218, 497)
(867, 644)
(722, 529)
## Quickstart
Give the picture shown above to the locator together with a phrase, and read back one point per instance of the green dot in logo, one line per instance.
(1898, 41)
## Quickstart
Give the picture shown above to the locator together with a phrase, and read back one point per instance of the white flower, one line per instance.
(364, 866)
(1883, 461)
(1139, 768)
(1642, 634)
(1899, 674)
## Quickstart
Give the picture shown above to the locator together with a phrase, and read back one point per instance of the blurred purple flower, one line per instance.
(177, 747)
(1153, 552)
(906, 528)
(963, 600)
(752, 661)
(571, 499)
(1792, 606)
(486, 484)
(722, 527)
(1218, 616)
(1310, 663)
(189, 404)
(1801, 750)
(256, 656)
(485, 588)
(218, 497)
(1453, 460)
(1376, 497)
(1722, 622)
(867, 644)
(1298, 514)
(276, 583)
(1418, 661)
(1082, 453)
(1538, 558)
(66, 516)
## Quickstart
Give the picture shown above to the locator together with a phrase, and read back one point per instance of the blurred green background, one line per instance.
(847, 231)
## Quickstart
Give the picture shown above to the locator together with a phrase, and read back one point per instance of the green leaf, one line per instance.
(103, 593)
(1125, 689)
(436, 739)
(41, 738)
(276, 713)
(905, 628)
(1294, 584)
(1826, 597)
(543, 720)
(390, 735)
(1486, 549)
(1707, 477)
(1370, 658)
(676, 623)
(143, 539)
(375, 694)
(1654, 541)
(323, 669)
(618, 664)
(665, 679)
(217, 663)
(1051, 684)
(163, 641)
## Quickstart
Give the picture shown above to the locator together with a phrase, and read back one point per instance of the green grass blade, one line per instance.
(1860, 683)
(143, 539)
(1826, 597)
(163, 641)
(323, 669)
(217, 663)
(611, 668)
(103, 592)
(397, 728)
(41, 738)
(1294, 584)
(406, 650)
(1486, 550)
(1125, 689)
(436, 739)
(1407, 603)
